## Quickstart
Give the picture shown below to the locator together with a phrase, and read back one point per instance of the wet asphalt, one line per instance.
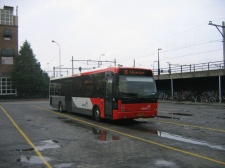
(32, 134)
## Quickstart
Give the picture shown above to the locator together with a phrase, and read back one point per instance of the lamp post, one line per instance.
(223, 36)
(158, 61)
(59, 57)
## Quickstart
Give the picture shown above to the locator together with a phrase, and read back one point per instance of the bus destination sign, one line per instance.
(137, 72)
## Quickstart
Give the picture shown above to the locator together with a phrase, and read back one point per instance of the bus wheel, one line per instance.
(96, 114)
(60, 107)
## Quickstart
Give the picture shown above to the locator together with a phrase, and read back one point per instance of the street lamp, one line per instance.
(158, 61)
(223, 36)
(59, 57)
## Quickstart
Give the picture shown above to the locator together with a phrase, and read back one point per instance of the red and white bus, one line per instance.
(111, 93)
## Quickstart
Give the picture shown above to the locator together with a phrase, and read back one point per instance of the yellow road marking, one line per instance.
(26, 138)
(134, 137)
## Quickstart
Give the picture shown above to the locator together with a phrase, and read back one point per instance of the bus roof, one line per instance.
(107, 69)
(99, 70)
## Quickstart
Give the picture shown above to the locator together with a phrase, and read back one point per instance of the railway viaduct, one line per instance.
(196, 78)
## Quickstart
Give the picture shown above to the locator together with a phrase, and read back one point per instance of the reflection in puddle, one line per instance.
(178, 138)
(48, 144)
(187, 140)
(100, 134)
(32, 159)
(104, 136)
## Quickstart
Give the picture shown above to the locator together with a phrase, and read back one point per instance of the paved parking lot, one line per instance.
(183, 135)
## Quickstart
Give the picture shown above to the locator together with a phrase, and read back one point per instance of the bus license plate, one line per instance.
(140, 115)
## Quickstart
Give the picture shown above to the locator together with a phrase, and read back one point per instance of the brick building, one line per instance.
(8, 49)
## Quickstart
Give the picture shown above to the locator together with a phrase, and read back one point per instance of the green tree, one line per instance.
(27, 75)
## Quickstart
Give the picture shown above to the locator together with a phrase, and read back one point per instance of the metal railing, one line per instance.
(175, 68)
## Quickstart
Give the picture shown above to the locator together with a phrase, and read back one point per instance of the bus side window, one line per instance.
(78, 90)
(55, 89)
(101, 92)
(99, 88)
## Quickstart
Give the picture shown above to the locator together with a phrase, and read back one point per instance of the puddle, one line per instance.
(182, 114)
(48, 144)
(187, 140)
(32, 159)
(178, 138)
(164, 163)
(167, 117)
(26, 149)
(102, 135)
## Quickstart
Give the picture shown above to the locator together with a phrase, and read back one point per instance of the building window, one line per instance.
(6, 87)
(7, 56)
(7, 60)
(7, 34)
(6, 17)
(7, 53)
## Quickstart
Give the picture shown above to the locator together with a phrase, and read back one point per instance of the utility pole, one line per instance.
(158, 61)
(98, 61)
(223, 35)
(79, 68)
(72, 65)
(59, 56)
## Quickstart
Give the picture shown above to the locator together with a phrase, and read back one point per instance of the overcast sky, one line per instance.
(125, 30)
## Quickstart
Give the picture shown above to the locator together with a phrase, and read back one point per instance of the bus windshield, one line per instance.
(137, 86)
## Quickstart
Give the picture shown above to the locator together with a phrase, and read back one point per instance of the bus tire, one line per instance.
(96, 114)
(60, 107)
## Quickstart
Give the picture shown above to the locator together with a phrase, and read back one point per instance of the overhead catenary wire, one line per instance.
(194, 46)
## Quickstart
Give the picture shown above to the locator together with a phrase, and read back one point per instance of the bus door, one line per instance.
(108, 97)
(68, 96)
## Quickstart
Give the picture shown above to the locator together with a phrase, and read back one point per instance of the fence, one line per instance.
(175, 68)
